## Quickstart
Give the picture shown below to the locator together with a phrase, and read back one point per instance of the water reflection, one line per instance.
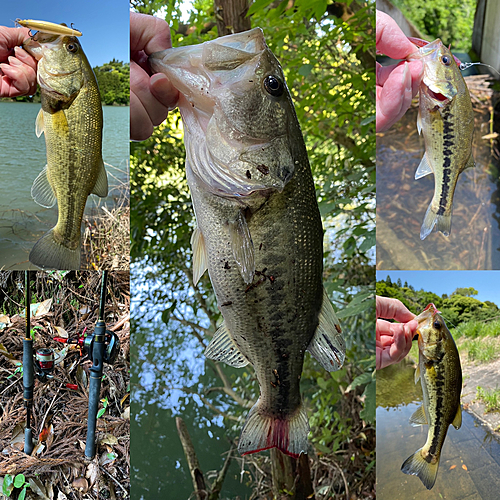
(470, 458)
(402, 202)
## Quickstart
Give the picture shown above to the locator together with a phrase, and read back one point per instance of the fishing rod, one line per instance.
(102, 346)
(28, 379)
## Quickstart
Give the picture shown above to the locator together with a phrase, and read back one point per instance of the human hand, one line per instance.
(393, 340)
(17, 67)
(396, 84)
(151, 97)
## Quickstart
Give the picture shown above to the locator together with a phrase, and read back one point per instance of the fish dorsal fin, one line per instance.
(223, 348)
(419, 122)
(457, 421)
(417, 374)
(101, 184)
(328, 346)
(418, 418)
(42, 191)
(242, 247)
(423, 169)
(200, 258)
(39, 124)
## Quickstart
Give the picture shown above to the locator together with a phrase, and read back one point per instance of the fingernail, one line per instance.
(407, 77)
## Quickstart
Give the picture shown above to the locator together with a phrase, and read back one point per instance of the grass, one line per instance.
(491, 398)
(480, 349)
(477, 329)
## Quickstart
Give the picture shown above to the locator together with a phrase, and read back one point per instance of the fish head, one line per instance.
(237, 112)
(432, 331)
(60, 63)
(442, 77)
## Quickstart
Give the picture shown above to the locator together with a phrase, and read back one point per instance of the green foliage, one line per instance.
(105, 403)
(113, 79)
(480, 349)
(490, 397)
(450, 20)
(10, 482)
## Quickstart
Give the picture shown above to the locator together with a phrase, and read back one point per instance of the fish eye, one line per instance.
(72, 47)
(273, 86)
(446, 60)
(437, 325)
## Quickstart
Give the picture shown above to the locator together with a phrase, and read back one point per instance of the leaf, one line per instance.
(369, 241)
(100, 413)
(61, 332)
(43, 307)
(368, 120)
(369, 410)
(8, 485)
(19, 481)
(22, 495)
(305, 69)
(362, 379)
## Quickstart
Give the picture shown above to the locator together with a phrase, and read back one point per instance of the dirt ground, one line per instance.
(64, 305)
(487, 376)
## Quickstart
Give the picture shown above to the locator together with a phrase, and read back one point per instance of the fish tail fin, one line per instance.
(49, 254)
(416, 465)
(263, 431)
(431, 219)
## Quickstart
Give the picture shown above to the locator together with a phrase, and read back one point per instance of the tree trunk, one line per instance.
(291, 477)
(231, 16)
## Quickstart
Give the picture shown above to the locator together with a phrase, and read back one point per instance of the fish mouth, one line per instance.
(438, 97)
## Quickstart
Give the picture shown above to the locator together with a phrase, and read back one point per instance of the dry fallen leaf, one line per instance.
(464, 467)
(43, 307)
(109, 439)
(61, 332)
(452, 467)
(92, 472)
(80, 484)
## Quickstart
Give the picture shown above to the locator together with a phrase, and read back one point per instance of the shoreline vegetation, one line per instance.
(113, 79)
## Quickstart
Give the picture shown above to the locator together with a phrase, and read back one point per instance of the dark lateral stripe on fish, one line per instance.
(448, 135)
(439, 382)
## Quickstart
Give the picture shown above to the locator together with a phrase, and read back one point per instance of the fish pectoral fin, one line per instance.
(223, 348)
(39, 124)
(457, 421)
(419, 418)
(419, 122)
(470, 163)
(263, 430)
(101, 184)
(417, 374)
(416, 465)
(200, 257)
(328, 346)
(242, 247)
(42, 191)
(424, 168)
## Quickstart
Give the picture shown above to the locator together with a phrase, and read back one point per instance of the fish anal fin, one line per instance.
(416, 465)
(242, 247)
(223, 348)
(457, 421)
(424, 168)
(200, 258)
(42, 191)
(418, 418)
(263, 431)
(101, 184)
(39, 123)
(328, 346)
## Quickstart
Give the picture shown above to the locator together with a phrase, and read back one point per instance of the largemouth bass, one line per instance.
(258, 230)
(446, 119)
(441, 378)
(71, 118)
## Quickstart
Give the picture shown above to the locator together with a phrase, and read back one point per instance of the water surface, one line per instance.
(22, 157)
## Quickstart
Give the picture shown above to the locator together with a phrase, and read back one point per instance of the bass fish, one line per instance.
(441, 378)
(259, 230)
(446, 119)
(71, 118)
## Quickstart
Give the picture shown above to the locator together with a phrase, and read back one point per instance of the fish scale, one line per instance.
(259, 230)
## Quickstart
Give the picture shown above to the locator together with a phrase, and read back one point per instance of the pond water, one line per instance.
(470, 458)
(474, 242)
(22, 157)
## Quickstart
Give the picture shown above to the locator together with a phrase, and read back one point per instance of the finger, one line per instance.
(25, 58)
(140, 124)
(10, 38)
(416, 69)
(164, 91)
(402, 342)
(392, 309)
(390, 40)
(19, 79)
(148, 33)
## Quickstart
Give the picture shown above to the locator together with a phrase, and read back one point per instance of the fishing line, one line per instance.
(466, 65)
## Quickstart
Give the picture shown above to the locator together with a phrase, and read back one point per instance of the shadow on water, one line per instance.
(474, 242)
(22, 156)
(470, 459)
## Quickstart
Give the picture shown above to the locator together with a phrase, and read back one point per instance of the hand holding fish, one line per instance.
(151, 97)
(17, 67)
(393, 339)
(396, 84)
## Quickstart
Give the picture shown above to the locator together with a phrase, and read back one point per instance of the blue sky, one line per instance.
(104, 24)
(487, 283)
